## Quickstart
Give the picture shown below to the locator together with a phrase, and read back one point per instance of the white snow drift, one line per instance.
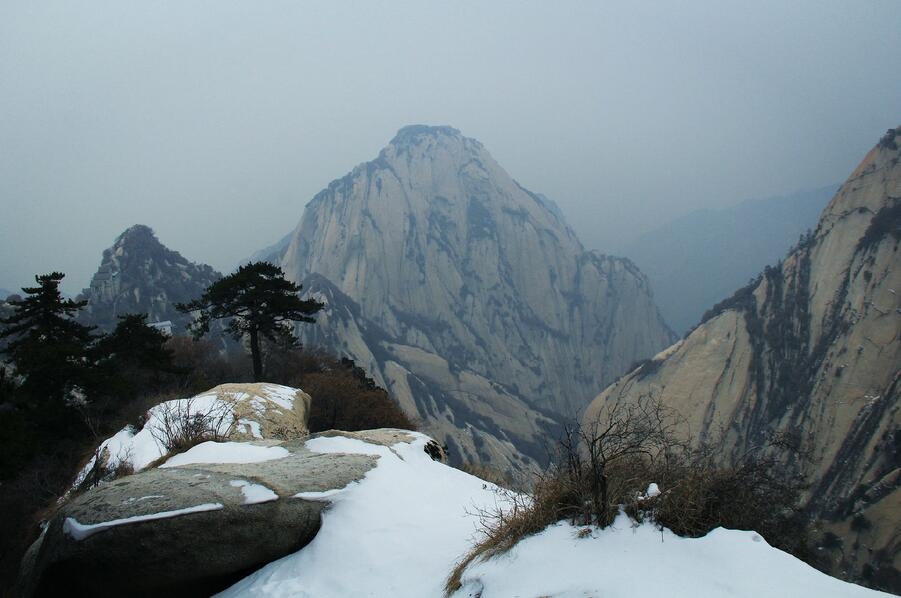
(401, 529)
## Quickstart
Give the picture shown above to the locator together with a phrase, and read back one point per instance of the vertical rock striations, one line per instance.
(810, 353)
(479, 304)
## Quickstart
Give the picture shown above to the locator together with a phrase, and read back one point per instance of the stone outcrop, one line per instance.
(239, 412)
(466, 295)
(810, 354)
(138, 274)
(262, 410)
(198, 521)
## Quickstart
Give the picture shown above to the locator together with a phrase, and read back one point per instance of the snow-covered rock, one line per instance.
(197, 523)
(388, 520)
(397, 532)
(400, 530)
(240, 412)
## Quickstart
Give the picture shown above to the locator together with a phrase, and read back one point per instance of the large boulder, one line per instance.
(242, 412)
(266, 410)
(193, 525)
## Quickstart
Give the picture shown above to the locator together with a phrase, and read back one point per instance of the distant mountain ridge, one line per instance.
(699, 259)
(483, 298)
(138, 274)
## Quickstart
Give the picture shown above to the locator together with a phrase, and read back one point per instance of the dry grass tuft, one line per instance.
(607, 466)
(516, 517)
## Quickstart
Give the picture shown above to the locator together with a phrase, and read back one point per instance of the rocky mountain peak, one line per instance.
(472, 298)
(135, 233)
(139, 274)
(415, 134)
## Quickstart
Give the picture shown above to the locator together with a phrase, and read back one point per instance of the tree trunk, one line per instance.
(255, 355)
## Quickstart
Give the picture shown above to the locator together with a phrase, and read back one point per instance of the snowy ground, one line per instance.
(400, 530)
(396, 533)
(629, 561)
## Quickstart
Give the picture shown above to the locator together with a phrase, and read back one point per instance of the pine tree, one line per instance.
(47, 347)
(259, 302)
(131, 359)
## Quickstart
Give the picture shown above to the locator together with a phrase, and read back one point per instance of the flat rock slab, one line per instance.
(187, 530)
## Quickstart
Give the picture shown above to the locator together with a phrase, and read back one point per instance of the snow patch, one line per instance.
(80, 531)
(283, 396)
(226, 452)
(254, 493)
(325, 495)
(652, 492)
(251, 427)
(343, 444)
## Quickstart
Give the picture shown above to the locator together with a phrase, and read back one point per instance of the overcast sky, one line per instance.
(216, 122)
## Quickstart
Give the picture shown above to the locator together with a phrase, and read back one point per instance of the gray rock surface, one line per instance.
(258, 403)
(192, 553)
(467, 296)
(811, 352)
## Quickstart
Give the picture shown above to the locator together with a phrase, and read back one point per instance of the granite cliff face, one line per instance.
(480, 292)
(810, 352)
(138, 274)
(479, 420)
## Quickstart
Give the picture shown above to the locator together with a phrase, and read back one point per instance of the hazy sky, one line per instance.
(215, 122)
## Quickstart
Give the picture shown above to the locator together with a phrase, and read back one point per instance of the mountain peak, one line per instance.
(412, 134)
(139, 274)
(136, 232)
(484, 300)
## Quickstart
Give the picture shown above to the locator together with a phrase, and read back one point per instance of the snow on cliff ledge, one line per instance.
(400, 530)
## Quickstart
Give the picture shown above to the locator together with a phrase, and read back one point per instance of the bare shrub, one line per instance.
(104, 469)
(607, 466)
(180, 425)
(343, 401)
(515, 516)
(604, 461)
(699, 494)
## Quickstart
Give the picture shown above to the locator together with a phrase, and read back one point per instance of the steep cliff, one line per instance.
(810, 353)
(138, 274)
(478, 287)
(480, 421)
